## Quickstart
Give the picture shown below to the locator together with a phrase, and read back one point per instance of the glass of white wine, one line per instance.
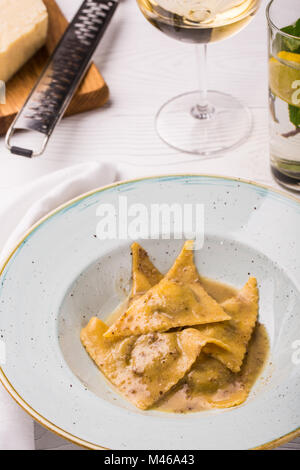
(203, 122)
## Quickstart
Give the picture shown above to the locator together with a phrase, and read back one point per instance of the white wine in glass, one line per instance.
(201, 122)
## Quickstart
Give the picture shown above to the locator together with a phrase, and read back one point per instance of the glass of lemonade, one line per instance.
(203, 122)
(284, 91)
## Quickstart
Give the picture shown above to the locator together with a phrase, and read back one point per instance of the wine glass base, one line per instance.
(227, 127)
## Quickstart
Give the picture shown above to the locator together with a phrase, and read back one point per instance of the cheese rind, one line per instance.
(23, 31)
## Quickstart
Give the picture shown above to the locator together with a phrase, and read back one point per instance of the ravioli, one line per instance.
(178, 300)
(144, 273)
(184, 269)
(234, 334)
(210, 384)
(144, 276)
(215, 383)
(181, 342)
(144, 368)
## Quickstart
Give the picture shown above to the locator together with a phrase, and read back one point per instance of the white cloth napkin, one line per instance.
(32, 203)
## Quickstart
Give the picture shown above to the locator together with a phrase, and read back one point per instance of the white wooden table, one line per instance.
(144, 68)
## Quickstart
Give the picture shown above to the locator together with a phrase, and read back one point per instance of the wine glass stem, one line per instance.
(201, 57)
(202, 110)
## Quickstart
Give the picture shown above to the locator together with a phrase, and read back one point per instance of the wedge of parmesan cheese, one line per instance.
(23, 31)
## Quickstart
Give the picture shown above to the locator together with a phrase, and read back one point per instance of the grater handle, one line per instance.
(62, 75)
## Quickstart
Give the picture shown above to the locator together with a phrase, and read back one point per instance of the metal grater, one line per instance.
(59, 81)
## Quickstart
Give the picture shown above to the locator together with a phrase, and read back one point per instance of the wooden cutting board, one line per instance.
(92, 93)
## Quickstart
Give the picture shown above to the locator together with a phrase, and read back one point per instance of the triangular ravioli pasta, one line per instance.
(144, 273)
(212, 363)
(185, 272)
(178, 300)
(144, 276)
(184, 269)
(213, 382)
(144, 368)
(254, 361)
(210, 384)
(234, 334)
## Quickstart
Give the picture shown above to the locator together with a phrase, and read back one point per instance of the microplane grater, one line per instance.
(62, 75)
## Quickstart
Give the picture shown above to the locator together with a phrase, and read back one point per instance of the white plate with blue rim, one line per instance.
(61, 274)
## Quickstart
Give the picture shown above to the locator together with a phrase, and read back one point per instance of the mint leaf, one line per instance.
(290, 44)
(293, 29)
(294, 115)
